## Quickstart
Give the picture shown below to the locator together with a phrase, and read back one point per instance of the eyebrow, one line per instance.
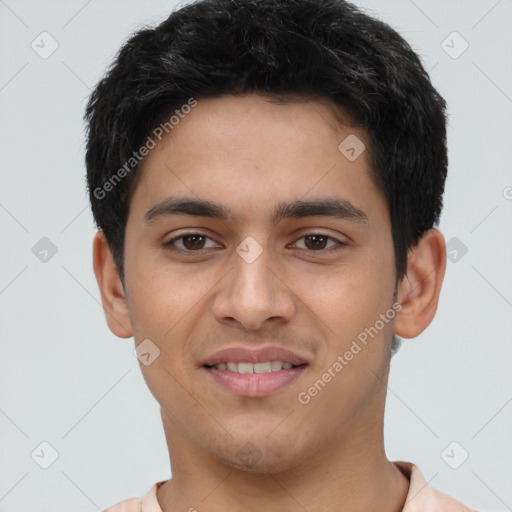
(328, 207)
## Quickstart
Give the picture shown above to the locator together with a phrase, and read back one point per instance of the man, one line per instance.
(266, 176)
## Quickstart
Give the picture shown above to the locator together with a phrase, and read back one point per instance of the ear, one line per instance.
(418, 291)
(111, 288)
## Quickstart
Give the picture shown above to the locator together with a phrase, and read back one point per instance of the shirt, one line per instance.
(420, 497)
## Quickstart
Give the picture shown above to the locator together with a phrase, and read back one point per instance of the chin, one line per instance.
(258, 456)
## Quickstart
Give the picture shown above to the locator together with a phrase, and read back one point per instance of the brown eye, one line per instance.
(190, 242)
(193, 241)
(318, 242)
(315, 241)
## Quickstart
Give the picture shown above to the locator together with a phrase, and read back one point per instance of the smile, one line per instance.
(248, 368)
(254, 379)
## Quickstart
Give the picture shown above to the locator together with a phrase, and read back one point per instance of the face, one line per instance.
(277, 269)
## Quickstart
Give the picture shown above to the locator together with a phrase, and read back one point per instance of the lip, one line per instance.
(255, 384)
(259, 355)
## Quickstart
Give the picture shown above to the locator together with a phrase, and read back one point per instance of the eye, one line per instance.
(191, 242)
(197, 242)
(317, 242)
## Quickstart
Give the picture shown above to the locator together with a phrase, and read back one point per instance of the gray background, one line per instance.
(66, 380)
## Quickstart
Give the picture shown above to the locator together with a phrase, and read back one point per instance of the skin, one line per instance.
(249, 154)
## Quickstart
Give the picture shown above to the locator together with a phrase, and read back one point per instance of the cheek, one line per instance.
(351, 302)
(350, 298)
(160, 295)
(164, 304)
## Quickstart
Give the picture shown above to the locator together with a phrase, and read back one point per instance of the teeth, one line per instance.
(262, 367)
(248, 368)
(245, 368)
(276, 365)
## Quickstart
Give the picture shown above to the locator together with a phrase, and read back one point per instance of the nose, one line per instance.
(254, 294)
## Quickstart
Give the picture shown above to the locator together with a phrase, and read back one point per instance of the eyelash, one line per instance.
(339, 244)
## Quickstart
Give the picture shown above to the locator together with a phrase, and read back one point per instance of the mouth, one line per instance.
(254, 379)
(253, 372)
(254, 368)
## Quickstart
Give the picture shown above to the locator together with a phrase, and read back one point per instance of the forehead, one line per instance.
(251, 153)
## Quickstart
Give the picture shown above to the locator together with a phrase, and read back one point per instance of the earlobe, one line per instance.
(419, 290)
(111, 288)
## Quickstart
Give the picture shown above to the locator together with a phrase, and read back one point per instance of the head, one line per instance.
(307, 130)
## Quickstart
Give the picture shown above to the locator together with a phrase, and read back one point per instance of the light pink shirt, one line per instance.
(420, 498)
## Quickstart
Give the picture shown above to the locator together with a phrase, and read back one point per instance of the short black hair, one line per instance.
(280, 49)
